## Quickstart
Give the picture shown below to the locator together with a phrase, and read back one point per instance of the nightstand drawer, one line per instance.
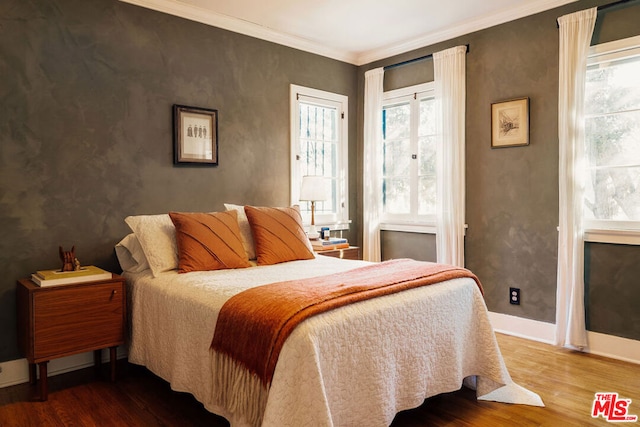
(76, 319)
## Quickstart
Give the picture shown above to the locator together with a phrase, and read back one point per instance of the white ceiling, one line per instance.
(354, 31)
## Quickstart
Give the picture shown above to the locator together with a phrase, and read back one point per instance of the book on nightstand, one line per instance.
(329, 244)
(87, 273)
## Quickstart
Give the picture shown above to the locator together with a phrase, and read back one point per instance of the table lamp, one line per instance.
(314, 189)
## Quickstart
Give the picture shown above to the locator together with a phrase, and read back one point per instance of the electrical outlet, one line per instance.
(514, 296)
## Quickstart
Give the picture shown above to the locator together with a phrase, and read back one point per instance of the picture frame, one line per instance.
(195, 135)
(510, 123)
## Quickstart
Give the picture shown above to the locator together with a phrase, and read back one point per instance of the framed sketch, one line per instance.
(195, 135)
(510, 123)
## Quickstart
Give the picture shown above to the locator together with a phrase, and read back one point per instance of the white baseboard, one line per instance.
(601, 344)
(17, 371)
(524, 328)
(614, 347)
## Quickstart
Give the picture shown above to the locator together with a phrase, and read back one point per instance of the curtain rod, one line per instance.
(606, 6)
(411, 61)
(615, 3)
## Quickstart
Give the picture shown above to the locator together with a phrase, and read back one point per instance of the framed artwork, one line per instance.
(195, 135)
(510, 123)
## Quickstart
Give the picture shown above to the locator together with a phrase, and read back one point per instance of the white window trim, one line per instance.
(414, 227)
(341, 221)
(409, 90)
(395, 222)
(621, 237)
(410, 227)
(609, 51)
(601, 231)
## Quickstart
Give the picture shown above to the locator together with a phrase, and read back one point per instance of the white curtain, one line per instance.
(575, 31)
(450, 93)
(372, 185)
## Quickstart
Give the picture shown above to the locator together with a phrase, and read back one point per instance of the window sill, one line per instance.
(412, 227)
(621, 237)
(409, 227)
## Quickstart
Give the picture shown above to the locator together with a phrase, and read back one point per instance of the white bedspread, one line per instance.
(356, 365)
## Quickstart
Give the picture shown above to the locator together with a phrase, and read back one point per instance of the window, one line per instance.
(612, 137)
(319, 146)
(409, 159)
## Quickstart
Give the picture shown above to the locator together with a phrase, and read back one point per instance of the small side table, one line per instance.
(59, 321)
(352, 252)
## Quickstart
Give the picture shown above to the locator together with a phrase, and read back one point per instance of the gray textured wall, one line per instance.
(86, 91)
(397, 244)
(612, 289)
(512, 193)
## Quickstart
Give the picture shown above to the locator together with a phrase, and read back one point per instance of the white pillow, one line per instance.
(130, 255)
(157, 236)
(245, 230)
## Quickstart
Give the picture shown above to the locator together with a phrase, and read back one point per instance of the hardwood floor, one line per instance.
(566, 381)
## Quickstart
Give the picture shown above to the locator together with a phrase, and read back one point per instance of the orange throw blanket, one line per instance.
(253, 325)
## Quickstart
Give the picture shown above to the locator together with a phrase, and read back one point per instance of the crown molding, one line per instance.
(205, 16)
(467, 27)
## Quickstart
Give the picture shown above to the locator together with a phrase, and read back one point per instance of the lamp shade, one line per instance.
(314, 188)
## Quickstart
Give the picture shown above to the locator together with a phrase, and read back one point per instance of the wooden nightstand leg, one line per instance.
(43, 381)
(112, 362)
(33, 377)
(97, 361)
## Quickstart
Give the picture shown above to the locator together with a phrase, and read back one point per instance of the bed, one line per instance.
(358, 364)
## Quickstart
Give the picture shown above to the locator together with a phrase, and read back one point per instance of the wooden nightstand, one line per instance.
(352, 252)
(58, 321)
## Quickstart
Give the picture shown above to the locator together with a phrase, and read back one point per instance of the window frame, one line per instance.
(340, 219)
(412, 222)
(612, 231)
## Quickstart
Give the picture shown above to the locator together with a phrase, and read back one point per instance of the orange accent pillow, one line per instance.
(278, 234)
(208, 241)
